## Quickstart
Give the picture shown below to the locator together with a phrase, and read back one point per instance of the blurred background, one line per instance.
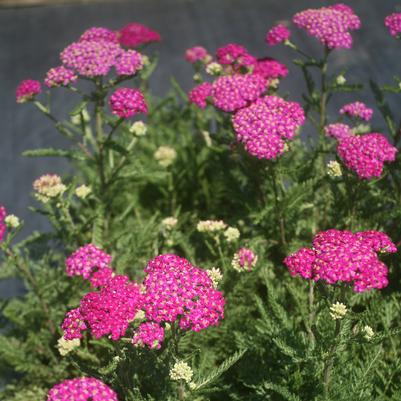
(34, 32)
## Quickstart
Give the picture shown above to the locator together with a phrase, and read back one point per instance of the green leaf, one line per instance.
(51, 152)
(78, 108)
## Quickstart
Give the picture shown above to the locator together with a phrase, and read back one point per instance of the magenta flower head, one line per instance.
(97, 34)
(330, 25)
(91, 58)
(150, 334)
(196, 53)
(60, 76)
(200, 93)
(81, 389)
(357, 110)
(175, 290)
(128, 63)
(366, 154)
(341, 256)
(338, 131)
(134, 35)
(3, 227)
(265, 125)
(244, 260)
(73, 324)
(277, 34)
(235, 55)
(269, 68)
(27, 90)
(393, 23)
(126, 102)
(232, 92)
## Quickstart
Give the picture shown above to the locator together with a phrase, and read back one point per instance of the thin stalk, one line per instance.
(311, 317)
(328, 366)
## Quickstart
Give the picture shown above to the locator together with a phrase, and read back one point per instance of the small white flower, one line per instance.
(210, 226)
(334, 169)
(181, 371)
(165, 155)
(138, 128)
(340, 80)
(207, 138)
(232, 234)
(66, 346)
(12, 221)
(169, 223)
(214, 68)
(197, 77)
(83, 191)
(368, 332)
(145, 60)
(338, 310)
(215, 275)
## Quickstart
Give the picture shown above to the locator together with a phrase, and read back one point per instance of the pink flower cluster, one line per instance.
(196, 53)
(233, 92)
(277, 34)
(177, 290)
(264, 126)
(88, 262)
(393, 23)
(357, 110)
(173, 290)
(200, 93)
(126, 102)
(338, 131)
(150, 334)
(60, 76)
(269, 68)
(244, 259)
(135, 34)
(235, 55)
(128, 62)
(3, 214)
(99, 34)
(81, 389)
(366, 154)
(330, 25)
(27, 90)
(341, 256)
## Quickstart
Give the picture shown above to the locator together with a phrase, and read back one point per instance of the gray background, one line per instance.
(32, 38)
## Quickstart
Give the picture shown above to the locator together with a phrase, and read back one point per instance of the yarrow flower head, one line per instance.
(126, 102)
(277, 34)
(393, 23)
(233, 92)
(98, 34)
(341, 256)
(3, 227)
(368, 332)
(196, 53)
(177, 290)
(128, 63)
(66, 346)
(165, 155)
(181, 371)
(91, 58)
(60, 76)
(232, 234)
(138, 128)
(366, 154)
(150, 334)
(338, 310)
(86, 261)
(244, 260)
(169, 223)
(264, 126)
(214, 68)
(12, 221)
(48, 186)
(215, 275)
(338, 131)
(357, 110)
(334, 169)
(73, 325)
(27, 90)
(269, 68)
(81, 389)
(330, 25)
(212, 226)
(236, 56)
(135, 34)
(83, 191)
(200, 93)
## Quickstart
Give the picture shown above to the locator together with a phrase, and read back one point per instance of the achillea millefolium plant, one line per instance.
(203, 249)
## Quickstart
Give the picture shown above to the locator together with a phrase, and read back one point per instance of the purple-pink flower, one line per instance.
(150, 334)
(196, 53)
(264, 126)
(73, 324)
(97, 34)
(357, 110)
(338, 131)
(200, 93)
(330, 25)
(81, 389)
(60, 76)
(27, 90)
(3, 227)
(128, 63)
(277, 34)
(341, 256)
(235, 55)
(126, 102)
(135, 34)
(244, 260)
(393, 23)
(269, 68)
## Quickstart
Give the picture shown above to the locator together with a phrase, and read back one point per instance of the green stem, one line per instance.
(328, 366)
(311, 318)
